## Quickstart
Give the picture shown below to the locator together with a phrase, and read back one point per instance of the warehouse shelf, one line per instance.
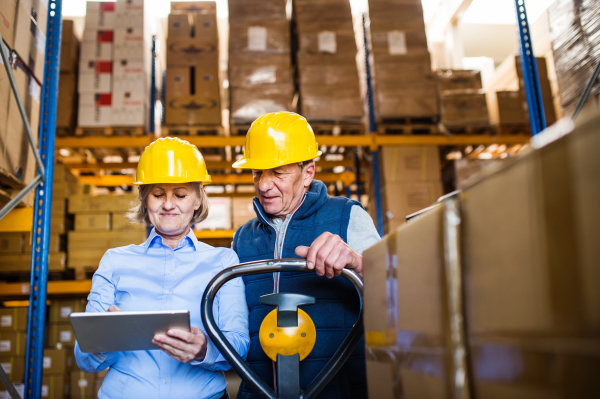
(55, 288)
(372, 140)
(127, 180)
(214, 234)
(17, 220)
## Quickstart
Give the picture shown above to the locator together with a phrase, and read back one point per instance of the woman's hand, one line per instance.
(182, 345)
(114, 308)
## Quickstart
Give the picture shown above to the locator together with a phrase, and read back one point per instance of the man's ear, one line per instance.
(308, 174)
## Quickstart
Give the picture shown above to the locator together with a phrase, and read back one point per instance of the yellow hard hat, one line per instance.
(278, 138)
(171, 160)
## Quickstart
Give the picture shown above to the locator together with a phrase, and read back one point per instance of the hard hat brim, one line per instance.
(261, 164)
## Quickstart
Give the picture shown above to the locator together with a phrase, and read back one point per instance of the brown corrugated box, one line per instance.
(88, 203)
(103, 239)
(328, 70)
(7, 21)
(313, 36)
(243, 211)
(60, 309)
(397, 10)
(22, 262)
(457, 79)
(391, 104)
(192, 24)
(390, 38)
(30, 31)
(13, 343)
(93, 221)
(410, 163)
(60, 333)
(464, 109)
(120, 222)
(264, 37)
(55, 361)
(69, 47)
(13, 319)
(14, 367)
(54, 386)
(250, 70)
(307, 10)
(325, 104)
(256, 9)
(82, 384)
(12, 242)
(507, 107)
(204, 7)
(531, 236)
(410, 76)
(247, 104)
(66, 114)
(193, 95)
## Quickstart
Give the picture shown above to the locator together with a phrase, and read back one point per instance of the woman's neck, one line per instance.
(172, 240)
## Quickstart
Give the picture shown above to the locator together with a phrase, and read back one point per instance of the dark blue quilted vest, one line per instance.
(337, 304)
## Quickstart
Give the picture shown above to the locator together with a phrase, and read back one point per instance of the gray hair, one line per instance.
(138, 212)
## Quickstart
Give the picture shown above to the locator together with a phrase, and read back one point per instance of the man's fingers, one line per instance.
(332, 258)
(322, 255)
(302, 251)
(311, 257)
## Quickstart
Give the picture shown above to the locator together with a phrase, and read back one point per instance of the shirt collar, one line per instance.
(190, 238)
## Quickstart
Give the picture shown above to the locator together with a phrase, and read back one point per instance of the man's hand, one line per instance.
(182, 345)
(329, 254)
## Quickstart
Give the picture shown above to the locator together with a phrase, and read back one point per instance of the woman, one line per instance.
(170, 271)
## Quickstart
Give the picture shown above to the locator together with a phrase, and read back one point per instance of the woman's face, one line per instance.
(171, 207)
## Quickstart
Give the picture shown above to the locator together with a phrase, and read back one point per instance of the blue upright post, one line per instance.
(533, 91)
(373, 129)
(43, 207)
(151, 125)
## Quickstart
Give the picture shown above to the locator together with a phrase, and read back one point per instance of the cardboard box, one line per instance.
(30, 34)
(508, 108)
(401, 199)
(88, 259)
(410, 163)
(14, 367)
(403, 11)
(121, 222)
(391, 39)
(193, 96)
(63, 189)
(100, 203)
(69, 47)
(100, 15)
(130, 75)
(129, 108)
(243, 211)
(192, 24)
(22, 262)
(132, 13)
(132, 43)
(248, 70)
(219, 217)
(256, 10)
(54, 387)
(203, 7)
(95, 109)
(19, 160)
(326, 103)
(449, 80)
(12, 242)
(82, 384)
(247, 104)
(13, 343)
(393, 104)
(264, 37)
(60, 333)
(14, 319)
(55, 361)
(97, 45)
(92, 221)
(79, 240)
(66, 115)
(306, 10)
(7, 21)
(95, 76)
(327, 36)
(464, 109)
(192, 40)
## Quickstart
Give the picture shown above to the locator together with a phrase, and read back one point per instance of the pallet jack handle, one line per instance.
(236, 361)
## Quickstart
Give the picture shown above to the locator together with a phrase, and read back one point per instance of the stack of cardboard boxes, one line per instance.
(13, 341)
(66, 114)
(100, 224)
(114, 68)
(492, 293)
(192, 80)
(506, 94)
(462, 100)
(326, 60)
(260, 72)
(410, 181)
(403, 82)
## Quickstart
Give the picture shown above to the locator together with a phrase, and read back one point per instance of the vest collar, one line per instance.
(312, 201)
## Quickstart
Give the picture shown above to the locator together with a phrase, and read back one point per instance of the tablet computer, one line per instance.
(125, 331)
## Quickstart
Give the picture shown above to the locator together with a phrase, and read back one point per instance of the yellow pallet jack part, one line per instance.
(287, 341)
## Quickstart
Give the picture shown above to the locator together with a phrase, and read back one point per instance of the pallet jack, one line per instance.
(287, 334)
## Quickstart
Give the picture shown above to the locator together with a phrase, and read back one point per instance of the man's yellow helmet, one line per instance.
(171, 160)
(276, 139)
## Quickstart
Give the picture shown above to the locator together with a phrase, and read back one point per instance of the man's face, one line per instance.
(280, 190)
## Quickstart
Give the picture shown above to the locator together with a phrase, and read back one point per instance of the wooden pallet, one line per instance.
(505, 130)
(410, 120)
(239, 130)
(8, 180)
(110, 131)
(469, 129)
(337, 128)
(408, 129)
(196, 130)
(64, 131)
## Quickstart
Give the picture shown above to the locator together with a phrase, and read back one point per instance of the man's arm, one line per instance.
(329, 254)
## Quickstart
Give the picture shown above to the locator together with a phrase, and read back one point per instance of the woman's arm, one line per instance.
(100, 299)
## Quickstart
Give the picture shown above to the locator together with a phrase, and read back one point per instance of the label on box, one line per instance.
(44, 390)
(40, 41)
(47, 362)
(396, 42)
(257, 38)
(35, 90)
(5, 346)
(263, 75)
(7, 367)
(6, 321)
(82, 383)
(65, 336)
(65, 311)
(327, 43)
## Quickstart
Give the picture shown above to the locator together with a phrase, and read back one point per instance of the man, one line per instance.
(295, 217)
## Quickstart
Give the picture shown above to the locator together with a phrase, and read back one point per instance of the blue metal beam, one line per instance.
(43, 206)
(533, 91)
(373, 129)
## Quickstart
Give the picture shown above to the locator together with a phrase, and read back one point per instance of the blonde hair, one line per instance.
(138, 212)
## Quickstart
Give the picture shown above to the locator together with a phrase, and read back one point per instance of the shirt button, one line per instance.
(165, 381)
(167, 293)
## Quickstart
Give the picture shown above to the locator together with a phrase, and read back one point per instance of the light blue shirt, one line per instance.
(153, 276)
